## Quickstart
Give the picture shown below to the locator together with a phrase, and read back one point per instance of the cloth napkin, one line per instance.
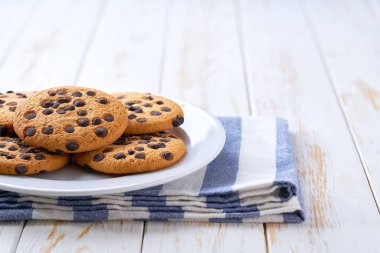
(253, 179)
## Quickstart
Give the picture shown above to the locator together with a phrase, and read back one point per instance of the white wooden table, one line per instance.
(315, 62)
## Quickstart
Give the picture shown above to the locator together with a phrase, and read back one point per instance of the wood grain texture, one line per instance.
(354, 64)
(126, 53)
(203, 66)
(50, 49)
(59, 236)
(14, 16)
(50, 236)
(287, 78)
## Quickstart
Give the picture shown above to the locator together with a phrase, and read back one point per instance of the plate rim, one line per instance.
(59, 192)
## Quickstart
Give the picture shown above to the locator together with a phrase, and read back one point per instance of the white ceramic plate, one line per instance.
(204, 137)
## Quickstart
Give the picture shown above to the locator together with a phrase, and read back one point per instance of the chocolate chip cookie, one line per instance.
(149, 113)
(70, 119)
(135, 154)
(17, 157)
(8, 104)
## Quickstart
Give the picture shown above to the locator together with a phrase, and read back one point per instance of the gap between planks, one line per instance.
(238, 21)
(317, 43)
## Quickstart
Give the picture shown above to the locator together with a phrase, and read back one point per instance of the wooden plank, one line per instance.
(53, 51)
(50, 49)
(349, 39)
(287, 78)
(14, 16)
(203, 66)
(127, 49)
(10, 233)
(62, 236)
(130, 34)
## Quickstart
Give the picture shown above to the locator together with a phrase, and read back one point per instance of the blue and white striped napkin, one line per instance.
(252, 180)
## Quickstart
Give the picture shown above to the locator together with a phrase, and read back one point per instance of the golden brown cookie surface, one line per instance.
(70, 119)
(8, 105)
(149, 113)
(17, 157)
(135, 154)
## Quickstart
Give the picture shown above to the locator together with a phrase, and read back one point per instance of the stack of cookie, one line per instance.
(121, 133)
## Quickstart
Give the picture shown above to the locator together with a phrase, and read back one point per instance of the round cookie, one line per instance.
(8, 104)
(135, 154)
(70, 119)
(18, 158)
(149, 113)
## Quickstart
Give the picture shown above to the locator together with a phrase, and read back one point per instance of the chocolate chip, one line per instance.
(9, 157)
(83, 122)
(77, 94)
(131, 152)
(96, 121)
(107, 150)
(177, 121)
(90, 93)
(139, 148)
(1, 106)
(63, 100)
(10, 91)
(2, 101)
(165, 109)
(79, 103)
(69, 129)
(12, 109)
(155, 113)
(61, 111)
(157, 145)
(25, 157)
(39, 157)
(132, 116)
(59, 152)
(120, 97)
(98, 157)
(3, 131)
(13, 148)
(101, 132)
(146, 137)
(69, 108)
(103, 101)
(143, 142)
(52, 93)
(173, 136)
(2, 145)
(135, 109)
(72, 146)
(11, 103)
(159, 102)
(148, 98)
(167, 156)
(30, 131)
(81, 113)
(56, 105)
(130, 103)
(164, 140)
(21, 169)
(119, 156)
(141, 120)
(61, 92)
(147, 105)
(37, 150)
(47, 104)
(47, 111)
(47, 130)
(108, 118)
(30, 115)
(140, 156)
